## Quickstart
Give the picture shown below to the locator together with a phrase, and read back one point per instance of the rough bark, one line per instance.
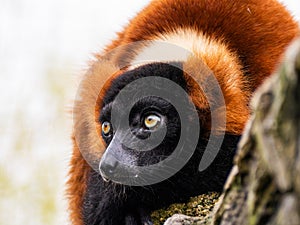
(264, 185)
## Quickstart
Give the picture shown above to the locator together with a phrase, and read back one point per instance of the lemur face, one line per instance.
(154, 125)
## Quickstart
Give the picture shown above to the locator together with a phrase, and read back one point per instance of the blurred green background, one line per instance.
(44, 48)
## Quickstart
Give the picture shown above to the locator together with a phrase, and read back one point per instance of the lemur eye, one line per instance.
(152, 121)
(106, 128)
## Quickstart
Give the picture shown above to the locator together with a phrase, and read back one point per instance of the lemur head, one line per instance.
(150, 129)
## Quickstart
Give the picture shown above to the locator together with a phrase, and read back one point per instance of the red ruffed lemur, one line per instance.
(236, 43)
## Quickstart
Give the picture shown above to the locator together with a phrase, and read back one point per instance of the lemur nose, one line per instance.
(108, 165)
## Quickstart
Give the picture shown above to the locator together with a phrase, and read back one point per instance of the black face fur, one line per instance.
(107, 202)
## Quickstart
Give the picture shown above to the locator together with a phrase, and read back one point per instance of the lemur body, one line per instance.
(241, 42)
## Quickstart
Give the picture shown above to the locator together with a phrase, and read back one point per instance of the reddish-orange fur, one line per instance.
(77, 184)
(256, 31)
(253, 20)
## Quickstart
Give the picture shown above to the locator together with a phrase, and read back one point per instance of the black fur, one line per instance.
(108, 203)
(172, 71)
